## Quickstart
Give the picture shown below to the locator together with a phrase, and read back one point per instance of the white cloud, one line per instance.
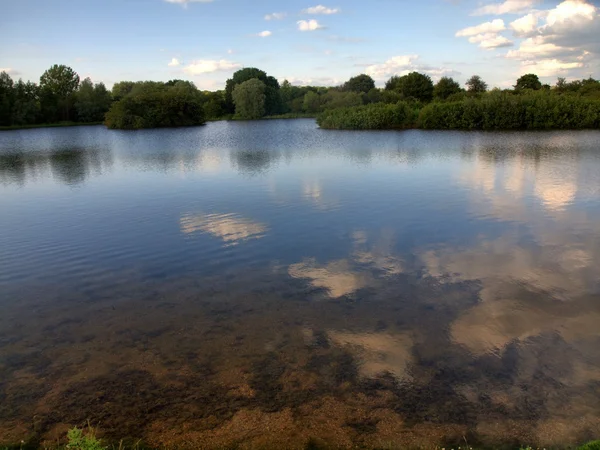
(275, 16)
(8, 70)
(174, 63)
(549, 67)
(402, 65)
(208, 66)
(525, 26)
(264, 34)
(487, 27)
(507, 7)
(565, 44)
(309, 25)
(490, 41)
(319, 81)
(537, 47)
(230, 52)
(320, 9)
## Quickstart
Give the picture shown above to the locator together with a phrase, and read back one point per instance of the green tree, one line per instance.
(6, 98)
(154, 104)
(214, 104)
(91, 102)
(312, 102)
(240, 77)
(445, 88)
(415, 85)
(58, 85)
(249, 99)
(360, 83)
(476, 85)
(121, 89)
(26, 106)
(528, 81)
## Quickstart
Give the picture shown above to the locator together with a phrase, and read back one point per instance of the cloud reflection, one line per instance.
(365, 266)
(231, 228)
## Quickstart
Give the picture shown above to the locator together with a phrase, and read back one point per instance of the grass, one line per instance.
(49, 125)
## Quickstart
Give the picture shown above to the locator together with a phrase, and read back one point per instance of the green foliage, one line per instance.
(339, 99)
(153, 105)
(249, 98)
(594, 445)
(6, 98)
(273, 103)
(214, 105)
(415, 86)
(312, 102)
(377, 116)
(78, 440)
(92, 102)
(475, 85)
(26, 105)
(57, 86)
(361, 84)
(445, 88)
(503, 111)
(528, 81)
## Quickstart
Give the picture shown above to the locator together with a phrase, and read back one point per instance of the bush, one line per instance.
(504, 111)
(154, 105)
(376, 116)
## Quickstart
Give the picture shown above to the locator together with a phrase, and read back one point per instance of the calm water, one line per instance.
(273, 284)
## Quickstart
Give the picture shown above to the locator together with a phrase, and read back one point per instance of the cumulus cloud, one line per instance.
(174, 63)
(507, 7)
(264, 34)
(275, 16)
(566, 40)
(320, 9)
(309, 25)
(487, 27)
(490, 41)
(208, 66)
(404, 64)
(525, 26)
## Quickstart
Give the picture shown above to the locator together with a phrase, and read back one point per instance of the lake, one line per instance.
(271, 284)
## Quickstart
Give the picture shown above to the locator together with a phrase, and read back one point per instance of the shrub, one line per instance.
(376, 116)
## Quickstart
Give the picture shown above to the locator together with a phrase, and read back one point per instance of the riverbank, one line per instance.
(48, 125)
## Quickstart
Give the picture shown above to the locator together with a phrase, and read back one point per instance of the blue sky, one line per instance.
(322, 43)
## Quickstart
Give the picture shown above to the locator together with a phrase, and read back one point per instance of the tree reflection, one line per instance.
(71, 166)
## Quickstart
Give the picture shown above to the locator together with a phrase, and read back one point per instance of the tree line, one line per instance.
(406, 101)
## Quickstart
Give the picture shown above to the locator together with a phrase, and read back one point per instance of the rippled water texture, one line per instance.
(273, 284)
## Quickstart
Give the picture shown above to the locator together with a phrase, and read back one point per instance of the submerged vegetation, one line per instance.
(408, 101)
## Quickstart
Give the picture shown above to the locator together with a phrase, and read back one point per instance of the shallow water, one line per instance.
(273, 284)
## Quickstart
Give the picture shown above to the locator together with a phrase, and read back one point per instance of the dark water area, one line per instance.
(273, 285)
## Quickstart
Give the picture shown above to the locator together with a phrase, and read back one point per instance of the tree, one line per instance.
(91, 102)
(6, 98)
(26, 106)
(528, 81)
(360, 83)
(249, 99)
(445, 88)
(414, 85)
(476, 85)
(155, 104)
(240, 77)
(58, 84)
(312, 102)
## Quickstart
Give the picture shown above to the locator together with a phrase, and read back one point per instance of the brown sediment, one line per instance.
(209, 363)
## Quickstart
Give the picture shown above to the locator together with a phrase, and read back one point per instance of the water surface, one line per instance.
(273, 284)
